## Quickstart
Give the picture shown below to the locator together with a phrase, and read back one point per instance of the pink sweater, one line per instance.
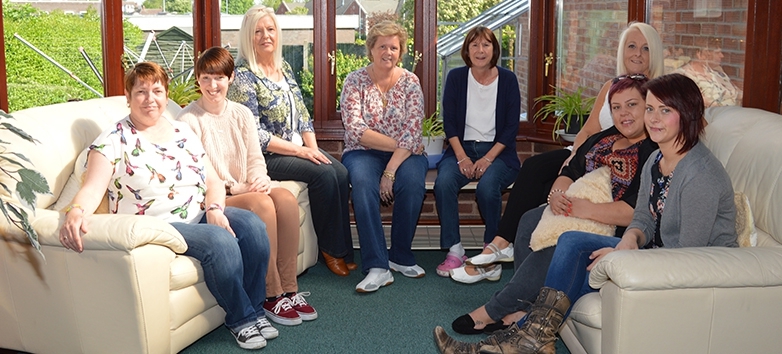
(230, 140)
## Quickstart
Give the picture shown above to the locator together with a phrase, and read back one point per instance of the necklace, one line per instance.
(383, 94)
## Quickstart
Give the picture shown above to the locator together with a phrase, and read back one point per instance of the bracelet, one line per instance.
(490, 161)
(215, 206)
(548, 199)
(74, 206)
(389, 175)
(462, 160)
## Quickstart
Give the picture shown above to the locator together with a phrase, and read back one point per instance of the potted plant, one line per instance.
(183, 91)
(29, 183)
(569, 109)
(434, 133)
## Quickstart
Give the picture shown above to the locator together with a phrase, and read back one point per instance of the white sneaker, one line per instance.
(491, 273)
(267, 331)
(376, 278)
(250, 338)
(413, 271)
(497, 255)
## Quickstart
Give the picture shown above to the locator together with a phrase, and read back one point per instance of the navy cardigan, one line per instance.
(454, 111)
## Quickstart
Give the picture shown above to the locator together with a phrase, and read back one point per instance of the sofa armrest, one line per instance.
(111, 232)
(698, 267)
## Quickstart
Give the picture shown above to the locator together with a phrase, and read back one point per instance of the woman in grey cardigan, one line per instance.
(682, 180)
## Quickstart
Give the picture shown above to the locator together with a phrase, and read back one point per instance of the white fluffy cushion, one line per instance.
(594, 186)
(745, 223)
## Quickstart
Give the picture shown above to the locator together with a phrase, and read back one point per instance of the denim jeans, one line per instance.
(567, 271)
(365, 169)
(329, 190)
(234, 267)
(530, 270)
(488, 193)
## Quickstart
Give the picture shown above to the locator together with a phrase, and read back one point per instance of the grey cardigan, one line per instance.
(699, 210)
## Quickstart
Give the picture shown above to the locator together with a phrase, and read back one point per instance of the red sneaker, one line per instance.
(305, 311)
(281, 311)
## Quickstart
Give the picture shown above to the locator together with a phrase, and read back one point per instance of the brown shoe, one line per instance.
(336, 265)
(352, 266)
(447, 345)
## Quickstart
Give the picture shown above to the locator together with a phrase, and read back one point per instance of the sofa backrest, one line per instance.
(748, 142)
(63, 131)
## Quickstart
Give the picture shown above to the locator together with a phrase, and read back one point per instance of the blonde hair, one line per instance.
(383, 29)
(247, 36)
(656, 64)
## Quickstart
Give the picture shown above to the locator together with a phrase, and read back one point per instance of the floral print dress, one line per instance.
(167, 181)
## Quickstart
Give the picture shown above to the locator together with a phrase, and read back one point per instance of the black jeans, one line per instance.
(329, 189)
(531, 189)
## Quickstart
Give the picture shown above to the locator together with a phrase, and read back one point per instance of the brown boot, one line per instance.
(538, 333)
(448, 345)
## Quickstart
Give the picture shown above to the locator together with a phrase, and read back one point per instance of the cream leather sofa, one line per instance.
(699, 300)
(129, 291)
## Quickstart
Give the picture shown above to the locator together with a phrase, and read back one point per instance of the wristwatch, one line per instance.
(228, 185)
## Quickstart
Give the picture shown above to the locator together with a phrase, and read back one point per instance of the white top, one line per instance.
(605, 116)
(480, 122)
(295, 137)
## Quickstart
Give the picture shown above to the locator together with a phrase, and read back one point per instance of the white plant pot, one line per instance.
(433, 145)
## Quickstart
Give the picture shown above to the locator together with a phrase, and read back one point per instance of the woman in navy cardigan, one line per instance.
(480, 110)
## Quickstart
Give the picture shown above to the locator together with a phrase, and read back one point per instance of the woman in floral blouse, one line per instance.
(382, 108)
(155, 166)
(704, 68)
(265, 84)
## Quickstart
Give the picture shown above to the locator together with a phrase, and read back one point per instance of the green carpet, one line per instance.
(399, 318)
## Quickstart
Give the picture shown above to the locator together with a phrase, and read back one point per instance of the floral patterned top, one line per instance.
(362, 109)
(716, 87)
(166, 181)
(659, 193)
(269, 103)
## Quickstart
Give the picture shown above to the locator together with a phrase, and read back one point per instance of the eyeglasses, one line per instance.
(631, 76)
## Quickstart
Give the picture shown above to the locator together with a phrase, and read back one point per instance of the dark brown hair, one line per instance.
(682, 94)
(624, 82)
(215, 60)
(485, 33)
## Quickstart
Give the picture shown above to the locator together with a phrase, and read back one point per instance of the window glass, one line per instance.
(53, 52)
(587, 41)
(705, 39)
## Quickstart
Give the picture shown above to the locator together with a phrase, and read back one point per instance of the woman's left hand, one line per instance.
(386, 191)
(580, 208)
(217, 218)
(480, 167)
(596, 256)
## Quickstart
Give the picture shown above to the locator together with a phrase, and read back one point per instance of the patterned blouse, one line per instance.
(716, 87)
(270, 104)
(166, 181)
(624, 163)
(363, 108)
(659, 193)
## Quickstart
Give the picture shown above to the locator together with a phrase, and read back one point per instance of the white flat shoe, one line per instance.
(497, 255)
(491, 273)
(413, 271)
(377, 277)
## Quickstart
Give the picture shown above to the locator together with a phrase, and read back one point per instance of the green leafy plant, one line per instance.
(565, 107)
(183, 91)
(432, 126)
(29, 183)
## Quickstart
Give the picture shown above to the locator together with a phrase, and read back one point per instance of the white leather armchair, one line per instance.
(699, 300)
(129, 291)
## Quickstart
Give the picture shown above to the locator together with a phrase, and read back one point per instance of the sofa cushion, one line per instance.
(588, 310)
(745, 224)
(595, 186)
(73, 185)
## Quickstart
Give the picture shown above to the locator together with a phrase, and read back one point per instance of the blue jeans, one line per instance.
(488, 193)
(567, 271)
(234, 267)
(329, 190)
(365, 168)
(529, 274)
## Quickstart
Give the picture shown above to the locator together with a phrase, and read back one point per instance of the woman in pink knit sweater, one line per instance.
(230, 137)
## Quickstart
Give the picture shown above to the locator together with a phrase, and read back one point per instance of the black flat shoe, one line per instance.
(494, 327)
(465, 325)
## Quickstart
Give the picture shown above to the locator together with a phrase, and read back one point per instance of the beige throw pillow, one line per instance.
(73, 185)
(595, 186)
(745, 223)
